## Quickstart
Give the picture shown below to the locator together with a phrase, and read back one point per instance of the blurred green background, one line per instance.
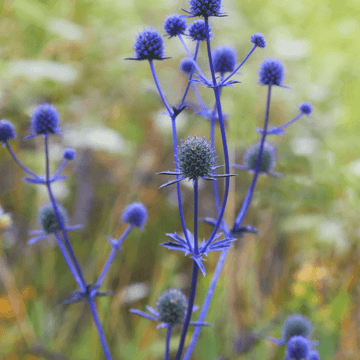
(306, 258)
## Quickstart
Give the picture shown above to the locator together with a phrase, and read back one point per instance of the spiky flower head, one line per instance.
(135, 214)
(45, 120)
(69, 154)
(271, 72)
(224, 59)
(305, 108)
(296, 324)
(258, 39)
(149, 45)
(187, 65)
(48, 220)
(7, 130)
(205, 8)
(314, 355)
(268, 158)
(298, 348)
(172, 306)
(196, 158)
(197, 30)
(175, 25)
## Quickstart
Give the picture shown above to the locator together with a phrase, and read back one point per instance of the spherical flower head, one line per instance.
(305, 108)
(69, 154)
(187, 65)
(271, 72)
(175, 25)
(298, 348)
(149, 45)
(224, 59)
(268, 158)
(205, 8)
(258, 39)
(314, 355)
(7, 130)
(45, 120)
(135, 214)
(172, 306)
(196, 158)
(48, 220)
(295, 324)
(197, 30)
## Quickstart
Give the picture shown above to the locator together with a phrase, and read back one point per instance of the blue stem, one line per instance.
(61, 167)
(167, 344)
(115, 248)
(250, 192)
(159, 87)
(194, 278)
(196, 215)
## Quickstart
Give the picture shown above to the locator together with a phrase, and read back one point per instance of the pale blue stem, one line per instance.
(60, 169)
(167, 343)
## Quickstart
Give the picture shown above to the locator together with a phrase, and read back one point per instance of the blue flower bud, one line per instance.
(45, 120)
(7, 130)
(187, 65)
(172, 306)
(271, 72)
(69, 154)
(268, 158)
(48, 220)
(135, 214)
(298, 348)
(305, 108)
(314, 355)
(258, 39)
(296, 324)
(175, 25)
(197, 30)
(149, 45)
(224, 59)
(205, 8)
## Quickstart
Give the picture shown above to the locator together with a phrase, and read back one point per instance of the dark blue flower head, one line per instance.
(48, 220)
(268, 158)
(69, 154)
(7, 130)
(172, 306)
(197, 30)
(175, 25)
(296, 324)
(298, 348)
(271, 72)
(205, 8)
(149, 46)
(305, 108)
(224, 59)
(45, 120)
(135, 214)
(258, 39)
(187, 65)
(314, 355)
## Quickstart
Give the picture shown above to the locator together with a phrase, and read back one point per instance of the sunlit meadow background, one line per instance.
(306, 259)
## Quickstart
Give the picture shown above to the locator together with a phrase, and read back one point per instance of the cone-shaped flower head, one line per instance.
(45, 120)
(48, 220)
(298, 348)
(196, 158)
(305, 108)
(197, 30)
(135, 214)
(271, 72)
(69, 154)
(296, 324)
(172, 306)
(187, 65)
(268, 158)
(205, 8)
(224, 58)
(175, 25)
(149, 45)
(7, 130)
(258, 39)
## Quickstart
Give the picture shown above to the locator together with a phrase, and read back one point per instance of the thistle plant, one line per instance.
(195, 158)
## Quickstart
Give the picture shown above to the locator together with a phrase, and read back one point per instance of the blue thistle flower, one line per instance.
(7, 130)
(271, 72)
(224, 59)
(258, 39)
(149, 45)
(44, 120)
(135, 214)
(298, 348)
(314, 355)
(69, 154)
(197, 30)
(175, 25)
(306, 108)
(187, 65)
(205, 8)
